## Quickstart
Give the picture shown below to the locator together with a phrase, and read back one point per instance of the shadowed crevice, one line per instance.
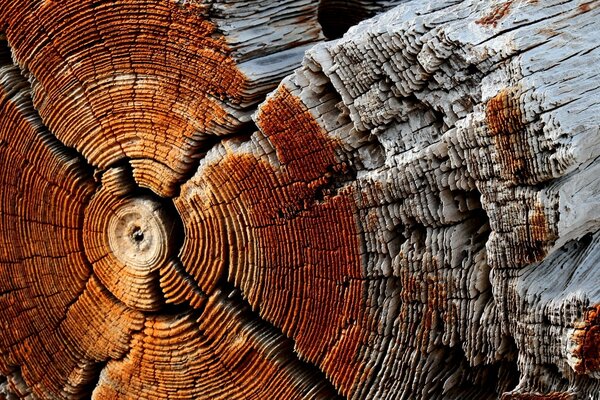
(14, 80)
(242, 134)
(318, 377)
(337, 16)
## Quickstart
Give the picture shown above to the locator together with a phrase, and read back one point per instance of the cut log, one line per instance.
(413, 213)
(82, 307)
(153, 82)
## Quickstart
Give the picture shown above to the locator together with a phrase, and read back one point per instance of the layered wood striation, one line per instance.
(151, 82)
(223, 353)
(58, 321)
(413, 213)
(292, 248)
(455, 125)
(140, 90)
(107, 108)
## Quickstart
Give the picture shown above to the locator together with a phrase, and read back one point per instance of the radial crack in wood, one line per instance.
(153, 81)
(210, 356)
(88, 264)
(57, 320)
(417, 210)
(278, 234)
(450, 139)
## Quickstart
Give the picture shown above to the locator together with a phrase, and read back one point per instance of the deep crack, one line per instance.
(236, 295)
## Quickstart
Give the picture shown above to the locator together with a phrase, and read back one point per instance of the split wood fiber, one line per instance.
(208, 200)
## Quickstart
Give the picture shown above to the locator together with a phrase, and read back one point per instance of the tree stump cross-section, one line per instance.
(241, 200)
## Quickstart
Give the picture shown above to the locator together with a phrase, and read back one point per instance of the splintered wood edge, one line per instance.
(419, 176)
(457, 164)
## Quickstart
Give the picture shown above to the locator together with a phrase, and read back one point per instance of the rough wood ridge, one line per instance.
(412, 213)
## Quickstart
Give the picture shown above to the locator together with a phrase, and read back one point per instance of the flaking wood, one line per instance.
(411, 211)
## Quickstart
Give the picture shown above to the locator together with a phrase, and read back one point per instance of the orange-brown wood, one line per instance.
(587, 342)
(222, 353)
(106, 100)
(58, 321)
(144, 81)
(296, 259)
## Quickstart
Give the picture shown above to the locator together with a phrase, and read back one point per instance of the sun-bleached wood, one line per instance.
(407, 209)
(413, 213)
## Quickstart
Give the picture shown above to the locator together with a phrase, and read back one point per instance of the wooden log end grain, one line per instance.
(106, 108)
(412, 213)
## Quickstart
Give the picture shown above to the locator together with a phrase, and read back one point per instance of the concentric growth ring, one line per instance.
(127, 238)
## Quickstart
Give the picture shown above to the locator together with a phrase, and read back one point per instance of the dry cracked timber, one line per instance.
(208, 199)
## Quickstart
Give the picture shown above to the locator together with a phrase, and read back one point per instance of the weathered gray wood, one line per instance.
(473, 130)
(417, 212)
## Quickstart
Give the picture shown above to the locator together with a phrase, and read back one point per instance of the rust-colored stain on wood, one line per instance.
(539, 396)
(505, 122)
(297, 259)
(296, 136)
(516, 157)
(539, 235)
(498, 13)
(585, 7)
(587, 339)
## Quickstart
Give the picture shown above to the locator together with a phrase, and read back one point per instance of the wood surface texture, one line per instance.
(262, 199)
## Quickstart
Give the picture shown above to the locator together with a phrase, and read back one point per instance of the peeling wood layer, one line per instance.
(412, 213)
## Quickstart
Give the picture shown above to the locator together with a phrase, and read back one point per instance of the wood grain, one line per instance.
(211, 200)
